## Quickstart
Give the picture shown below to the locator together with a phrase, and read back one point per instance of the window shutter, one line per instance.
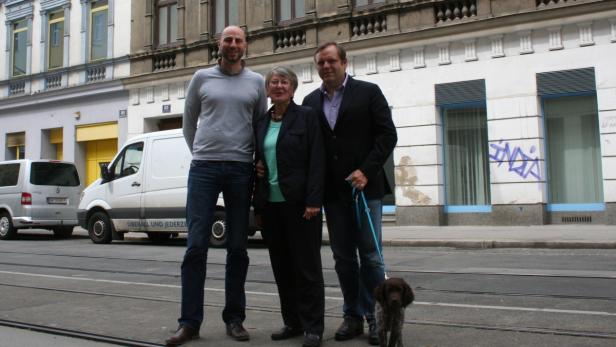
(460, 92)
(566, 82)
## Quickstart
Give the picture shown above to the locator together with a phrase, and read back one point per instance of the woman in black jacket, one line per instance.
(291, 166)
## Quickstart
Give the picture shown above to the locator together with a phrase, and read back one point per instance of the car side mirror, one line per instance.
(106, 175)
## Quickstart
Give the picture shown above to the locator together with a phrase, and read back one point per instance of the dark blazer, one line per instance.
(300, 158)
(363, 138)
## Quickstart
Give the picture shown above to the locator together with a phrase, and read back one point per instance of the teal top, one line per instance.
(269, 150)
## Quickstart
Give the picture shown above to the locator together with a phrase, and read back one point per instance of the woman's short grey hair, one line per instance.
(283, 72)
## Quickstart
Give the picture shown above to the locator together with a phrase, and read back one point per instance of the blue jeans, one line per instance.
(358, 278)
(206, 179)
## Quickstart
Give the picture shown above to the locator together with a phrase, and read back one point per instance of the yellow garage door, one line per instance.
(98, 152)
(101, 141)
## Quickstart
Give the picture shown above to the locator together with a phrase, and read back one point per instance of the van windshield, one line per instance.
(54, 174)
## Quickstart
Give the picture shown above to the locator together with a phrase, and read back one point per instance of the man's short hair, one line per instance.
(341, 51)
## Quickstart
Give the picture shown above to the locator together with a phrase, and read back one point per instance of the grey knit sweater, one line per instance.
(219, 112)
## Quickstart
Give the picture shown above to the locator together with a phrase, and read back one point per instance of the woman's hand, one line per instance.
(260, 169)
(311, 212)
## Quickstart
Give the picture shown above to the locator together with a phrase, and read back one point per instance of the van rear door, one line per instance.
(164, 197)
(55, 189)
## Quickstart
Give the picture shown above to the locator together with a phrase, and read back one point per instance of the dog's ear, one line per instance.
(407, 294)
(379, 294)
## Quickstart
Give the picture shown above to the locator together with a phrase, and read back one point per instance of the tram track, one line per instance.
(270, 309)
(120, 341)
(392, 273)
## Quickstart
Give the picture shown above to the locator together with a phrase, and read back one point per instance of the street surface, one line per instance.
(128, 293)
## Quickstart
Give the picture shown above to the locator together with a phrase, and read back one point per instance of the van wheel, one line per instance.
(99, 228)
(7, 230)
(159, 237)
(62, 232)
(218, 231)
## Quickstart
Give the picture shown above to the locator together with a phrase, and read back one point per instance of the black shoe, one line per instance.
(286, 332)
(182, 335)
(373, 333)
(237, 331)
(311, 340)
(349, 329)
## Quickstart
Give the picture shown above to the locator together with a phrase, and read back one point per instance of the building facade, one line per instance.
(61, 95)
(505, 109)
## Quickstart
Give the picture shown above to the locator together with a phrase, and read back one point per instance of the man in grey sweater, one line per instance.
(221, 104)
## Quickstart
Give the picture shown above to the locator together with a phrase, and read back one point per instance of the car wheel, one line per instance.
(7, 230)
(99, 228)
(62, 232)
(159, 237)
(218, 231)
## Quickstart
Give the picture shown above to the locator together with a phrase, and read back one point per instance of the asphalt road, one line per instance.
(128, 293)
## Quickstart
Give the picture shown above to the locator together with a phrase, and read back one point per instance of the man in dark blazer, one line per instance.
(359, 136)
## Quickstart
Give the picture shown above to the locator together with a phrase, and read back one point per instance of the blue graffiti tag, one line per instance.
(519, 162)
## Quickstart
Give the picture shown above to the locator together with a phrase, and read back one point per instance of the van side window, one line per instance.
(129, 161)
(9, 174)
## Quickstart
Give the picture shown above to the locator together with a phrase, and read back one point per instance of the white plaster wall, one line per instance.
(518, 193)
(36, 66)
(142, 106)
(419, 155)
(75, 47)
(122, 25)
(609, 190)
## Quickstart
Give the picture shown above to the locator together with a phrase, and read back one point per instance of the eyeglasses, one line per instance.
(281, 82)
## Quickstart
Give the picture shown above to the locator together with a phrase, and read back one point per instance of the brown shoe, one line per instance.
(182, 335)
(349, 329)
(237, 332)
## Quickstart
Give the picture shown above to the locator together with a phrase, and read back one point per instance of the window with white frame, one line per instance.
(290, 9)
(167, 21)
(226, 12)
(98, 30)
(19, 51)
(55, 50)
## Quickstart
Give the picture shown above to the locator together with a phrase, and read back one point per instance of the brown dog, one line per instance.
(392, 297)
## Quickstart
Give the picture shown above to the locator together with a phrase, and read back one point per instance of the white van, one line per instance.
(41, 194)
(144, 190)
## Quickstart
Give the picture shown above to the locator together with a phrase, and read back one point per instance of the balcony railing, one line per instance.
(213, 48)
(17, 88)
(368, 25)
(164, 61)
(289, 39)
(544, 3)
(95, 73)
(53, 81)
(449, 11)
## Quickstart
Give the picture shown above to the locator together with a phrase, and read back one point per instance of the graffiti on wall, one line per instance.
(524, 165)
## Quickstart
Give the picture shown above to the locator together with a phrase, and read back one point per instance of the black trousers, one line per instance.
(294, 245)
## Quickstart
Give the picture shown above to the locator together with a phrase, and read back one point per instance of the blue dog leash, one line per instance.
(356, 197)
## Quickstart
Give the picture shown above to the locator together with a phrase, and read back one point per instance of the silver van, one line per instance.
(38, 194)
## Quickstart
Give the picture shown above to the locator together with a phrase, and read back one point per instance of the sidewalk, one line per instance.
(536, 236)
